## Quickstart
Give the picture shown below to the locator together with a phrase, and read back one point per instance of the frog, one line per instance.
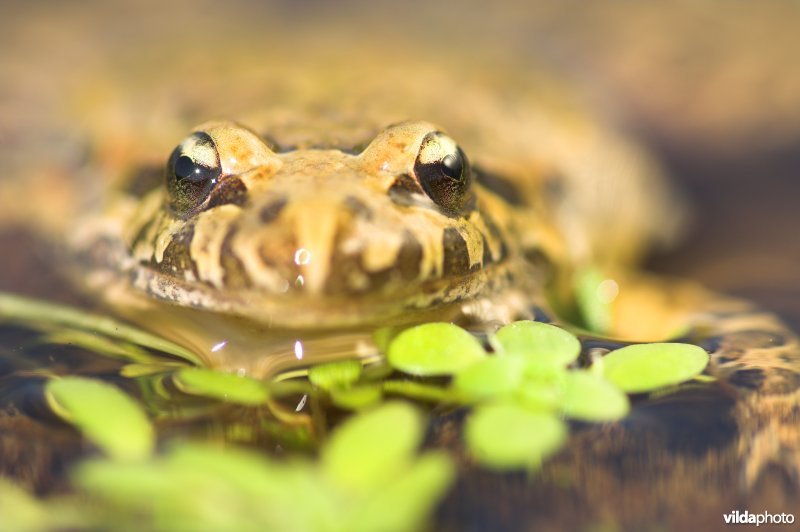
(284, 235)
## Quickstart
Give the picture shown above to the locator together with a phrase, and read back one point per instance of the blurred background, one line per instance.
(713, 89)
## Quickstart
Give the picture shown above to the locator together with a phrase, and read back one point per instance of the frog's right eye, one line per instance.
(192, 171)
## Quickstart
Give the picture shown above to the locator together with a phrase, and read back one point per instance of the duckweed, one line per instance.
(541, 344)
(223, 386)
(509, 436)
(434, 349)
(334, 375)
(647, 367)
(105, 415)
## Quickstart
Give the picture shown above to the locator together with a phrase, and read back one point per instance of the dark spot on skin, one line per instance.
(537, 259)
(229, 190)
(487, 254)
(177, 260)
(404, 186)
(456, 254)
(711, 344)
(145, 179)
(409, 257)
(781, 381)
(235, 276)
(358, 208)
(495, 235)
(271, 211)
(725, 359)
(554, 189)
(500, 186)
(750, 378)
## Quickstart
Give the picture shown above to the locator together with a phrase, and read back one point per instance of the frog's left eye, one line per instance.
(443, 171)
(192, 171)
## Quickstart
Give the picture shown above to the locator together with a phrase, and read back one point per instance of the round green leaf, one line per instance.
(434, 349)
(224, 386)
(646, 367)
(490, 377)
(405, 503)
(106, 415)
(507, 436)
(340, 374)
(542, 345)
(588, 397)
(371, 448)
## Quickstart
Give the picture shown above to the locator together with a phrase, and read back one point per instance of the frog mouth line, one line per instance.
(300, 311)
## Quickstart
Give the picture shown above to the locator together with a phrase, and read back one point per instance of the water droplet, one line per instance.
(607, 291)
(302, 256)
(219, 346)
(301, 404)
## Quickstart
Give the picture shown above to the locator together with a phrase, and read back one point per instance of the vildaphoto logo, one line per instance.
(763, 518)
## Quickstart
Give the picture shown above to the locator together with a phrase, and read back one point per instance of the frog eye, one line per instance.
(192, 171)
(443, 171)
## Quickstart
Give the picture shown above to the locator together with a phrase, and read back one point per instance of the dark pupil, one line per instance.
(186, 168)
(453, 166)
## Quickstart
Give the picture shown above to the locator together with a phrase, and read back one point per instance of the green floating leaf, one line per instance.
(104, 414)
(491, 377)
(223, 386)
(199, 488)
(102, 345)
(339, 374)
(370, 449)
(30, 312)
(646, 367)
(588, 397)
(543, 346)
(20, 510)
(507, 436)
(404, 504)
(132, 371)
(357, 397)
(434, 349)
